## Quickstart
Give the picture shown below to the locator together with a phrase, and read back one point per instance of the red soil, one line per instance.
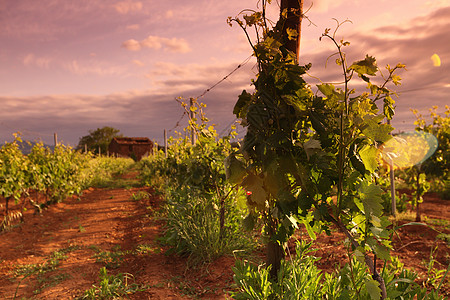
(109, 220)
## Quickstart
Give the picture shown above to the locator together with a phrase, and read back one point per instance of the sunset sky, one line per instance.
(72, 66)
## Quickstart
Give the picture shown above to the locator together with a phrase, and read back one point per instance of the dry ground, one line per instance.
(107, 227)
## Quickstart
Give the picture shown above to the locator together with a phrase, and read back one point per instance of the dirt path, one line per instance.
(102, 227)
(64, 248)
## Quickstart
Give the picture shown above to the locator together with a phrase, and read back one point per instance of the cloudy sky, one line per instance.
(72, 66)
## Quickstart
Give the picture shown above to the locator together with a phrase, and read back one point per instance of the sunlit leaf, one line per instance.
(370, 195)
(367, 66)
(368, 156)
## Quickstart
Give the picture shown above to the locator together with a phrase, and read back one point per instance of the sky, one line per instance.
(68, 67)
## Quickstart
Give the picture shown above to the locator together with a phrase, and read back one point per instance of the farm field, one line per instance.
(114, 228)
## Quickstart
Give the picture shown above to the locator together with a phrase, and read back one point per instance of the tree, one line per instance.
(98, 139)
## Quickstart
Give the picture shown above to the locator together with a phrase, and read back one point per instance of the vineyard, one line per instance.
(319, 199)
(173, 226)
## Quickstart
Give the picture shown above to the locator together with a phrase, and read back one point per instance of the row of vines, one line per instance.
(51, 175)
(45, 176)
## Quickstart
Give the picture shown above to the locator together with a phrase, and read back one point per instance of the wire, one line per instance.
(226, 77)
(213, 86)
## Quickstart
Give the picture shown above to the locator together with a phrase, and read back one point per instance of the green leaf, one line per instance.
(326, 89)
(234, 170)
(368, 156)
(367, 66)
(254, 184)
(241, 106)
(295, 102)
(310, 231)
(370, 195)
(373, 289)
(249, 222)
(388, 107)
(375, 130)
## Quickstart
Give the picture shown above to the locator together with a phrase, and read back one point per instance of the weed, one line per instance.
(112, 286)
(437, 222)
(435, 276)
(185, 287)
(445, 237)
(193, 226)
(94, 248)
(44, 282)
(41, 269)
(81, 228)
(141, 195)
(299, 278)
(111, 259)
(147, 249)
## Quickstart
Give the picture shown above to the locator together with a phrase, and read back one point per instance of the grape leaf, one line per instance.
(367, 66)
(254, 184)
(240, 108)
(375, 130)
(234, 170)
(370, 195)
(373, 289)
(368, 156)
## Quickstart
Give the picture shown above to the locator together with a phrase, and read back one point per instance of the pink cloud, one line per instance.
(132, 45)
(174, 45)
(125, 7)
(32, 60)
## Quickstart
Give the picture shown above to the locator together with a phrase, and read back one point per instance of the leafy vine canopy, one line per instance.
(309, 156)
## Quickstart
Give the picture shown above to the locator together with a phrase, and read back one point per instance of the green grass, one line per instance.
(141, 195)
(40, 270)
(106, 172)
(112, 286)
(111, 259)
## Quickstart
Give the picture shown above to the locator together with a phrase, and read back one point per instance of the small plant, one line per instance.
(112, 286)
(193, 227)
(41, 269)
(53, 280)
(435, 277)
(141, 195)
(147, 249)
(112, 260)
(299, 278)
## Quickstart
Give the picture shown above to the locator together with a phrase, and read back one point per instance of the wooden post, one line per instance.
(99, 151)
(165, 143)
(55, 139)
(292, 21)
(85, 148)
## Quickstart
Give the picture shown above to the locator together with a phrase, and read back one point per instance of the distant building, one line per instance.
(134, 147)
